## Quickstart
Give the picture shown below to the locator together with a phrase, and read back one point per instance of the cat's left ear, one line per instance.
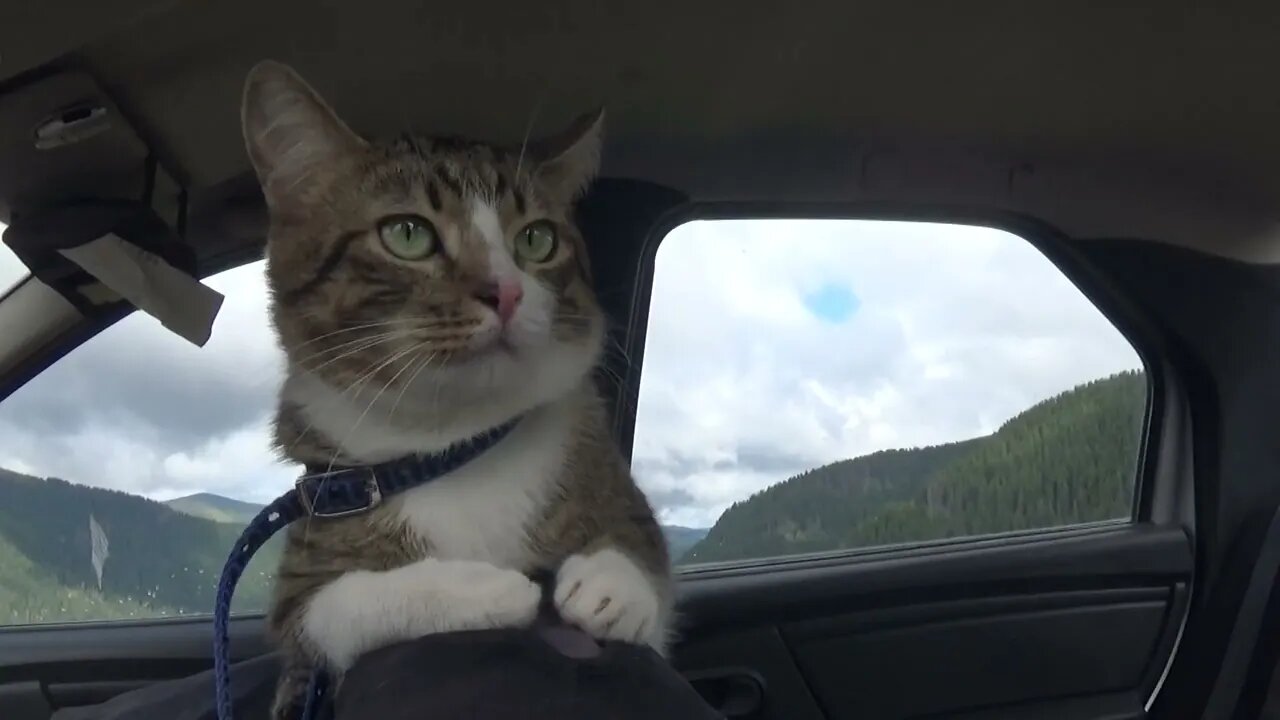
(571, 158)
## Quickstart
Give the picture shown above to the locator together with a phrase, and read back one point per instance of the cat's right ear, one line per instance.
(289, 131)
(571, 158)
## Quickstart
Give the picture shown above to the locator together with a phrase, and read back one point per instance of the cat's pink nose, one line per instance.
(503, 296)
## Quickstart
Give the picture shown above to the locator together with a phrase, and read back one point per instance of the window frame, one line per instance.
(1157, 500)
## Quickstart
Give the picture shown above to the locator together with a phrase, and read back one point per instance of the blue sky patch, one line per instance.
(833, 302)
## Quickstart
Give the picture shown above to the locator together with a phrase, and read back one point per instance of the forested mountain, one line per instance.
(29, 594)
(159, 561)
(680, 539)
(215, 507)
(1069, 459)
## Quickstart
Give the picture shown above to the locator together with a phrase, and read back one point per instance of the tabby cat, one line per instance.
(425, 290)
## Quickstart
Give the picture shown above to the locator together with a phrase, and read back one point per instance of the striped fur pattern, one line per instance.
(389, 356)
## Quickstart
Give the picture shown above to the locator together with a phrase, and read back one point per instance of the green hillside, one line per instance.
(29, 595)
(680, 539)
(160, 561)
(1067, 460)
(215, 507)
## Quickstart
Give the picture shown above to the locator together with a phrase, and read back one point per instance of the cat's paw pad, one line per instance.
(607, 595)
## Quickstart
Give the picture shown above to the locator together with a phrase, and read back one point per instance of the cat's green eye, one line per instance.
(536, 242)
(408, 238)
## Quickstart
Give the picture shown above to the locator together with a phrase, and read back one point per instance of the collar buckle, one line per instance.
(339, 493)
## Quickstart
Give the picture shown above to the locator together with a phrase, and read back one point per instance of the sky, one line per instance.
(773, 346)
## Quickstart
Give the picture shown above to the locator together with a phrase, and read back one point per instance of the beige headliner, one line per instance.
(1155, 119)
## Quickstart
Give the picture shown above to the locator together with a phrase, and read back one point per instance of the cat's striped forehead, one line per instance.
(456, 177)
(444, 166)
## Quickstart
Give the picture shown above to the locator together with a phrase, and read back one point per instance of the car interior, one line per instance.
(1135, 145)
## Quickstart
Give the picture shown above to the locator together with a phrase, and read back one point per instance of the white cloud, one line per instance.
(955, 330)
(241, 464)
(139, 409)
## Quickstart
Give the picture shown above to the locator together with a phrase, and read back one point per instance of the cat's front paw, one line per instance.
(494, 597)
(364, 610)
(607, 595)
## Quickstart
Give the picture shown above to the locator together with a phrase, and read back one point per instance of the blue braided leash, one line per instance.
(329, 494)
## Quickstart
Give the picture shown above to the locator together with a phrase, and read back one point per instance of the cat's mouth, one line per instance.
(504, 345)
(491, 344)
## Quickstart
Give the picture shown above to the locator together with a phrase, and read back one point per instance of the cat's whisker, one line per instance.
(355, 426)
(337, 446)
(425, 361)
(429, 320)
(363, 326)
(612, 345)
(347, 344)
(354, 351)
(446, 354)
(612, 374)
(620, 386)
(528, 132)
(413, 360)
(370, 371)
(337, 450)
(609, 354)
(416, 322)
(312, 422)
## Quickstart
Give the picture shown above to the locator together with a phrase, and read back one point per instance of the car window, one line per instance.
(821, 385)
(129, 467)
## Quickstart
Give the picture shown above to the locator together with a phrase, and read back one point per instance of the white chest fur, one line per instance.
(483, 510)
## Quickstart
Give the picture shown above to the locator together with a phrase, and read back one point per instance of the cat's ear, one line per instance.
(289, 131)
(571, 158)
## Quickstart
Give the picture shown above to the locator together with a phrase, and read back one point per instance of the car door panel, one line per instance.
(1002, 659)
(1055, 622)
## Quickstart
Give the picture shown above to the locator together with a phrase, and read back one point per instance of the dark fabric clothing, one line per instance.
(550, 672)
(253, 687)
(501, 675)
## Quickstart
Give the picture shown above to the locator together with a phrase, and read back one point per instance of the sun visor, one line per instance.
(62, 139)
(98, 254)
(92, 211)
